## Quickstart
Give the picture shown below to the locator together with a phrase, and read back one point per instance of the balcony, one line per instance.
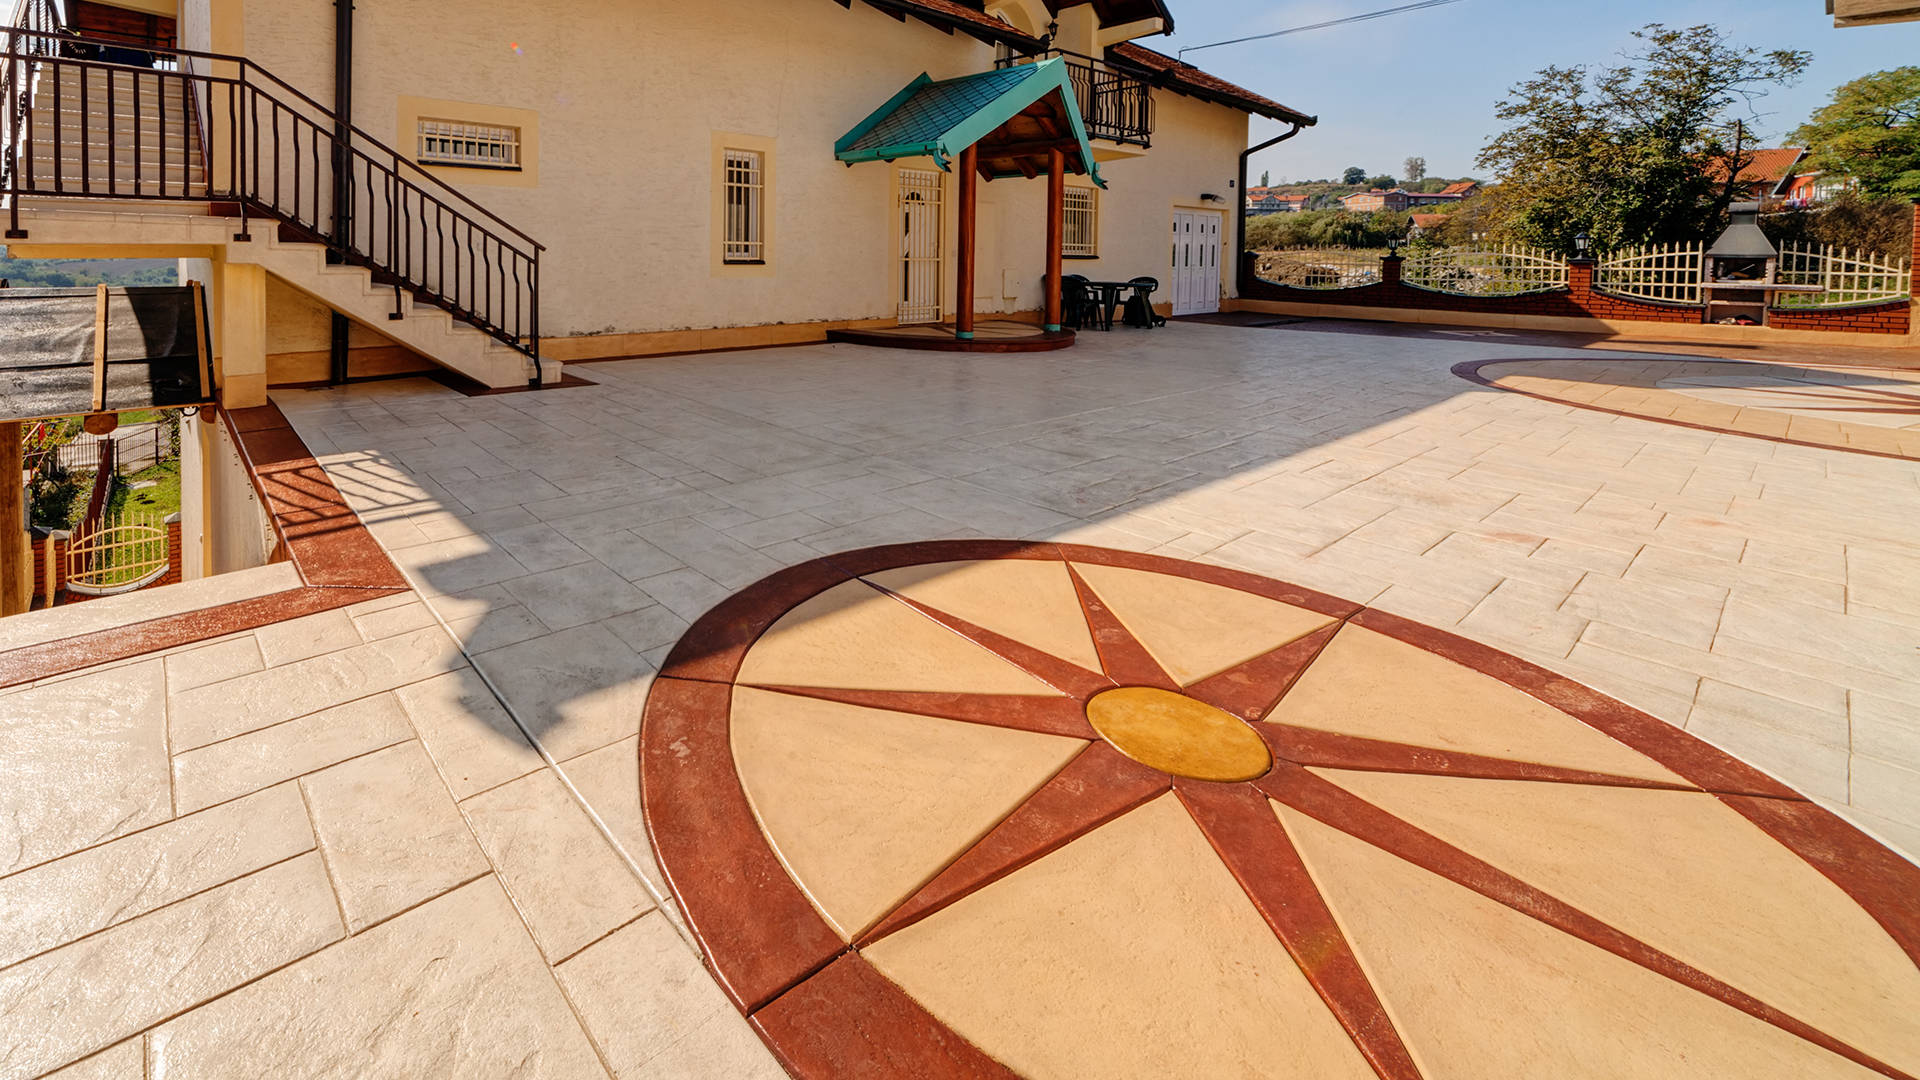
(1115, 105)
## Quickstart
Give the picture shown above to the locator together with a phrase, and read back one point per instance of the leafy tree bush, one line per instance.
(1882, 226)
(1871, 132)
(1621, 152)
(1383, 182)
(1353, 175)
(1414, 170)
(1326, 228)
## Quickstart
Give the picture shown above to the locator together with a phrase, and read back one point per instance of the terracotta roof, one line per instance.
(1768, 166)
(1422, 221)
(1183, 78)
(954, 15)
(1460, 188)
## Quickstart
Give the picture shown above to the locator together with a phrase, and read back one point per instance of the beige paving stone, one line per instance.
(1827, 724)
(865, 805)
(121, 1061)
(226, 770)
(472, 739)
(1370, 685)
(609, 780)
(723, 1048)
(1880, 578)
(576, 690)
(213, 663)
(836, 639)
(1660, 865)
(564, 876)
(60, 901)
(1193, 628)
(251, 702)
(572, 595)
(63, 1005)
(1030, 601)
(84, 760)
(1886, 789)
(1131, 952)
(451, 988)
(398, 619)
(391, 834)
(312, 635)
(1514, 997)
(1521, 613)
(1686, 614)
(640, 990)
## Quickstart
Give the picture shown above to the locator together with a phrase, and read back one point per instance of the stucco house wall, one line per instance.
(626, 99)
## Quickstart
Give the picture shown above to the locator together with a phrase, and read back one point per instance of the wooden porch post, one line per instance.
(1056, 233)
(16, 555)
(963, 290)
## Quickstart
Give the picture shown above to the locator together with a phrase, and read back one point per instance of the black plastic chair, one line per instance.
(1078, 302)
(1139, 311)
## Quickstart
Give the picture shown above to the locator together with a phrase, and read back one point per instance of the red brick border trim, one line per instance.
(826, 1013)
(338, 560)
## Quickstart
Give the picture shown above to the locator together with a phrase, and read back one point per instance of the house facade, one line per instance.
(1262, 200)
(1399, 199)
(618, 159)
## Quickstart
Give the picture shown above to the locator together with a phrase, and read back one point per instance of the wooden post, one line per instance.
(1056, 233)
(963, 291)
(16, 554)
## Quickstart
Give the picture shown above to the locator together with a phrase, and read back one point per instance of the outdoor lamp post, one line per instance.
(1582, 244)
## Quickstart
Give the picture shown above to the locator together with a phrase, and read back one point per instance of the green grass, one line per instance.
(157, 501)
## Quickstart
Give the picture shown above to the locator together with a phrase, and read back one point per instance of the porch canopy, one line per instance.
(1014, 121)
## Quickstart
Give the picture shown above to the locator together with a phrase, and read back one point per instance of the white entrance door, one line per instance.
(918, 207)
(1196, 261)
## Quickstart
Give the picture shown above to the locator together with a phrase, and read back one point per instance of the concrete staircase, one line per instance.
(97, 135)
(103, 132)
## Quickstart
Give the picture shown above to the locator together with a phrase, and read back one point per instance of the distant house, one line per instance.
(1462, 188)
(1765, 176)
(1814, 187)
(1400, 199)
(1264, 200)
(1424, 222)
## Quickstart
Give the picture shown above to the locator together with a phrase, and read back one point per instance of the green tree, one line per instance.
(1414, 170)
(1871, 132)
(1265, 178)
(1628, 153)
(1383, 182)
(1353, 175)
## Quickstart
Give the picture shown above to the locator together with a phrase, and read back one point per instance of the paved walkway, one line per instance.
(310, 847)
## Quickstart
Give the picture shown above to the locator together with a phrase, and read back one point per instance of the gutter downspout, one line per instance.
(342, 173)
(1240, 219)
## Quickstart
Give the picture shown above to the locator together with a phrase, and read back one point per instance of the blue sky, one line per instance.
(1426, 82)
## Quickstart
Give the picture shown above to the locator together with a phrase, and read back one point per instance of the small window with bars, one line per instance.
(477, 146)
(1080, 236)
(744, 189)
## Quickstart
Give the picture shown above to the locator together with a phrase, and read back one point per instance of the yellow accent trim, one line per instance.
(724, 141)
(407, 140)
(1178, 734)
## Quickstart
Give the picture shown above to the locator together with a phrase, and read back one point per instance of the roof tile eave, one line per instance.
(1184, 78)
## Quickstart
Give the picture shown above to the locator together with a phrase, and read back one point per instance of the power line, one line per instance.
(1320, 25)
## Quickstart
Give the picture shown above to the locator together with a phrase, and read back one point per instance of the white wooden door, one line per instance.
(918, 206)
(1196, 262)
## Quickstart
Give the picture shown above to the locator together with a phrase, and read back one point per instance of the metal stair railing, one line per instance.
(263, 146)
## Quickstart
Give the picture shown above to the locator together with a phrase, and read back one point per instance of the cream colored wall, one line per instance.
(236, 533)
(629, 95)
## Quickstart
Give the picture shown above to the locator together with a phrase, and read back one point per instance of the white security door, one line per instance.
(1196, 262)
(918, 206)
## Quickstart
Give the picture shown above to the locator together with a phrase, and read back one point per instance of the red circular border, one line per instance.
(825, 1012)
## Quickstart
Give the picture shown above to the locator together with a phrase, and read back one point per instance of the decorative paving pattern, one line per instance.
(1863, 410)
(982, 808)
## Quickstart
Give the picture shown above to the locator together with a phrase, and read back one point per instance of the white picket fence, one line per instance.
(1846, 276)
(1321, 268)
(1666, 273)
(1511, 270)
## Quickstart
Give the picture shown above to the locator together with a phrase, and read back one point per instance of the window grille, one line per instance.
(1081, 234)
(744, 188)
(485, 146)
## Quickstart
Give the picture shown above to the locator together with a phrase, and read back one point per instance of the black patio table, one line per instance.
(1109, 298)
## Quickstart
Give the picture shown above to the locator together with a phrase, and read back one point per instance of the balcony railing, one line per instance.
(1115, 105)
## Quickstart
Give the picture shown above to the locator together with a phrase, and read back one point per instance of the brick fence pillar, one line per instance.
(1914, 263)
(1580, 283)
(1390, 269)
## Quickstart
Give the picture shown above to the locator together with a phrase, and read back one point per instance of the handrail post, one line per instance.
(533, 304)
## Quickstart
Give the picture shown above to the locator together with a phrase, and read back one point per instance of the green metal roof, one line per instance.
(940, 119)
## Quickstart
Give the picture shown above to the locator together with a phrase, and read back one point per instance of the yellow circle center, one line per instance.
(1176, 734)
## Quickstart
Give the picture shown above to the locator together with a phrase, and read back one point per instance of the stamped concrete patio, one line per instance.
(405, 837)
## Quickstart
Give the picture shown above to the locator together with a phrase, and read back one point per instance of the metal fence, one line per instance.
(1321, 268)
(119, 553)
(1845, 276)
(1664, 273)
(1510, 270)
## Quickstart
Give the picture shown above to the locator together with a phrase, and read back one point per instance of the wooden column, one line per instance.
(963, 286)
(16, 555)
(1056, 233)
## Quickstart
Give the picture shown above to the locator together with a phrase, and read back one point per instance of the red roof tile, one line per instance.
(1460, 188)
(1768, 166)
(1184, 78)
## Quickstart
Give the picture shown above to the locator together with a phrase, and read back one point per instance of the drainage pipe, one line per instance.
(1240, 218)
